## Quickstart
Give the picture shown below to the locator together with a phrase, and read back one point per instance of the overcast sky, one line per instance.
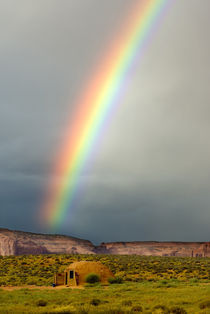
(149, 178)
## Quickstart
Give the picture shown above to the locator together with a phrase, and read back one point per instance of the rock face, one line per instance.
(23, 243)
(191, 249)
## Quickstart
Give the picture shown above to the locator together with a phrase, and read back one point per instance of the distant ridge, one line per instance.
(13, 242)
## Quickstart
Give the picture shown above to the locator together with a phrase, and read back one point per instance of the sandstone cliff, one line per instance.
(191, 249)
(21, 243)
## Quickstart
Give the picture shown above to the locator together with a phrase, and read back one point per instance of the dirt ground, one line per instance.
(32, 287)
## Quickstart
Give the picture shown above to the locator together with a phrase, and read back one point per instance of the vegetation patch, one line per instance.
(92, 278)
(127, 302)
(39, 269)
(116, 279)
(95, 302)
(127, 298)
(178, 310)
(205, 304)
(161, 309)
(41, 303)
(150, 285)
(137, 308)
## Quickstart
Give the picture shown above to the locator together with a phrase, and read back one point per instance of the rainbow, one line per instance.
(95, 104)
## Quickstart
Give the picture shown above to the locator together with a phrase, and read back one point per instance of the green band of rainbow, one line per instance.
(94, 105)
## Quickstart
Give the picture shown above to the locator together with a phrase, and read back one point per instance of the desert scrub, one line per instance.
(39, 269)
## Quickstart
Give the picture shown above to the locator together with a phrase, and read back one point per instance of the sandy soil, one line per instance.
(11, 288)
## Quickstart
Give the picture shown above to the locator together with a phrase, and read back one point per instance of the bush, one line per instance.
(127, 302)
(177, 310)
(62, 311)
(112, 280)
(204, 304)
(137, 308)
(114, 311)
(92, 278)
(95, 302)
(163, 282)
(162, 308)
(41, 303)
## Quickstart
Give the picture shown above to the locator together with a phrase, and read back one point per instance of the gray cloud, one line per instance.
(148, 178)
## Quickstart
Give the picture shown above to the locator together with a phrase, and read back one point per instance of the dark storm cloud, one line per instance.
(148, 178)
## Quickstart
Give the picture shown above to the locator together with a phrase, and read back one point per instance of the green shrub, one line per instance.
(92, 278)
(204, 304)
(137, 308)
(177, 310)
(112, 280)
(127, 302)
(95, 302)
(62, 311)
(41, 303)
(114, 311)
(163, 282)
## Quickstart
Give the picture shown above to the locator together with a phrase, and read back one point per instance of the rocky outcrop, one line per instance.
(22, 243)
(191, 249)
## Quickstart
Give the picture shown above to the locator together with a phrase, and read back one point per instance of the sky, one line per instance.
(149, 177)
